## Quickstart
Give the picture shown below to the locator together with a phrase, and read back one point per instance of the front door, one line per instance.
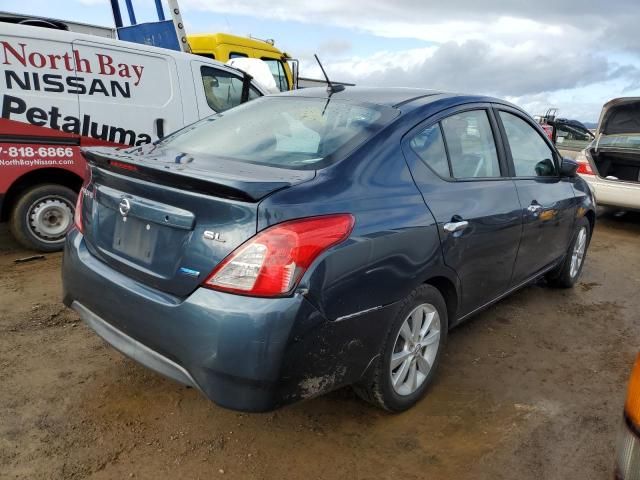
(547, 200)
(460, 169)
(218, 89)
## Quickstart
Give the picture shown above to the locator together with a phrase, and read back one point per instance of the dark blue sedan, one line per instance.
(310, 240)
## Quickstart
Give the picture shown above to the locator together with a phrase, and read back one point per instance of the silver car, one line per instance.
(611, 163)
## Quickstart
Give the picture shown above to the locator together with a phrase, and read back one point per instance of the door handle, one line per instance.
(160, 128)
(452, 227)
(535, 207)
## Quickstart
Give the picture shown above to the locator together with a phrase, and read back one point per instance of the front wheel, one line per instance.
(42, 216)
(411, 353)
(567, 273)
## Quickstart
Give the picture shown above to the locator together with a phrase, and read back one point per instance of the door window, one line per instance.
(470, 144)
(223, 90)
(277, 70)
(532, 157)
(429, 146)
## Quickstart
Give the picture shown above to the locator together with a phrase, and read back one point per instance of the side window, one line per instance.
(532, 157)
(470, 144)
(429, 146)
(277, 70)
(223, 90)
(237, 55)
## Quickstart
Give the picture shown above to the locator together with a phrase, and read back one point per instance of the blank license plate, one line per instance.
(135, 238)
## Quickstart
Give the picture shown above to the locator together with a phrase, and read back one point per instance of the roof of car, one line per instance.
(406, 98)
(391, 96)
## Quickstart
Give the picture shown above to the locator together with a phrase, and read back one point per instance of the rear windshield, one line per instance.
(620, 141)
(287, 132)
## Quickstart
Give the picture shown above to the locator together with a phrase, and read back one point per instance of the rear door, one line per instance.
(127, 96)
(547, 200)
(460, 169)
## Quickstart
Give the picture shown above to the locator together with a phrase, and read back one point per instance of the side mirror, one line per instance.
(568, 167)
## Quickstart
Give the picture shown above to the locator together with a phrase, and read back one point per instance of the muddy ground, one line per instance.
(531, 389)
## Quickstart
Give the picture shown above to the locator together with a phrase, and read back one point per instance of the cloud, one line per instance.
(508, 48)
(476, 66)
(454, 20)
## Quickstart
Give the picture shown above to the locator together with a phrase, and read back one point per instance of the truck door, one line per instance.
(127, 96)
(218, 89)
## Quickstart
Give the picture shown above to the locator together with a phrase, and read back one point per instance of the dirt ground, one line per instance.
(531, 389)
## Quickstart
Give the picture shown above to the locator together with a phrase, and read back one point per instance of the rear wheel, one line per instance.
(411, 352)
(42, 216)
(567, 273)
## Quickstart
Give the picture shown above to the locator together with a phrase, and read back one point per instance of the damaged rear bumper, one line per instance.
(243, 353)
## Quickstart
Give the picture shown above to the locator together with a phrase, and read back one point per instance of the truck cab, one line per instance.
(223, 47)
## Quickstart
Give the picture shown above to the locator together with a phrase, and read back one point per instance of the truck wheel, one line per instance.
(42, 216)
(411, 353)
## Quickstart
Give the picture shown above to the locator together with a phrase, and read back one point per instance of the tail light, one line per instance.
(77, 214)
(628, 451)
(273, 262)
(584, 165)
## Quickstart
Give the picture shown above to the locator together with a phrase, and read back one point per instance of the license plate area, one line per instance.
(136, 239)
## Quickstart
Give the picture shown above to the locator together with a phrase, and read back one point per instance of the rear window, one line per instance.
(286, 132)
(620, 141)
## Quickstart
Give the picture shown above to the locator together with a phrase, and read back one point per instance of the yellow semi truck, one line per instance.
(224, 46)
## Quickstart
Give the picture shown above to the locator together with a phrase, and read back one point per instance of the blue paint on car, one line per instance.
(411, 193)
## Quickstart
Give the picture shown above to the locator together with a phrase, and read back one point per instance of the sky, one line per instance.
(569, 54)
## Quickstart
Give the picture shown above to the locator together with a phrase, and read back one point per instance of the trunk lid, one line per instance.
(620, 116)
(167, 219)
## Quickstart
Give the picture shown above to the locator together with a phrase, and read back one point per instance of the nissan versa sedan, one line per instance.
(315, 239)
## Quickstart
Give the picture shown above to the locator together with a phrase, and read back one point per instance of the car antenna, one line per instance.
(331, 88)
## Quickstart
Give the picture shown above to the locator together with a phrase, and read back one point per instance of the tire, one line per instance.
(42, 216)
(378, 387)
(567, 273)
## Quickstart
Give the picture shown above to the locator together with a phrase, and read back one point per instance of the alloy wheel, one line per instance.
(578, 252)
(415, 349)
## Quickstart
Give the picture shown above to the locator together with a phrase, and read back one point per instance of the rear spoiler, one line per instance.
(253, 185)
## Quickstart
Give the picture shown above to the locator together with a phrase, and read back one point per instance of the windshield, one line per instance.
(620, 141)
(287, 132)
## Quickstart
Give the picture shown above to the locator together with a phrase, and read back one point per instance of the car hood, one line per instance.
(620, 116)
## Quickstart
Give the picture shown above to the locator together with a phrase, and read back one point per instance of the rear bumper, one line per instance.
(133, 348)
(614, 193)
(244, 353)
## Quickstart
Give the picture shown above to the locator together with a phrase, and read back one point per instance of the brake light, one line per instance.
(123, 165)
(584, 166)
(273, 262)
(77, 214)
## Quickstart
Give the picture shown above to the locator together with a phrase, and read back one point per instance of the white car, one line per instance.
(611, 163)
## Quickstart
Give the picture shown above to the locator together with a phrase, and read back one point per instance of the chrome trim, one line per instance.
(133, 348)
(351, 315)
(452, 227)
